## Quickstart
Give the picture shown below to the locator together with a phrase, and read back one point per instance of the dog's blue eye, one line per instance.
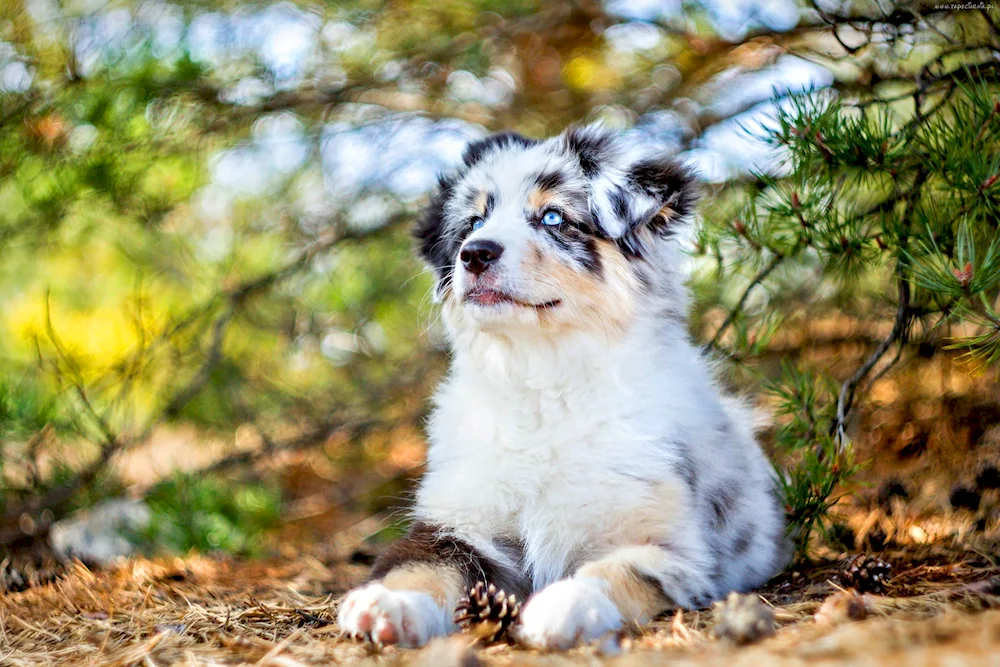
(552, 218)
(477, 223)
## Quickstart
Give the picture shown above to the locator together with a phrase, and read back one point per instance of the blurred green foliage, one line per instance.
(206, 514)
(24, 411)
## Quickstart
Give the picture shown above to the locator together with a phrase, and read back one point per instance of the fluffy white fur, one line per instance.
(591, 433)
(405, 618)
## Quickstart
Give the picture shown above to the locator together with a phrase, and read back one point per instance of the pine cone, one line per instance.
(487, 612)
(866, 574)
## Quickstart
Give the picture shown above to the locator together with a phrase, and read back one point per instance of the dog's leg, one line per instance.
(414, 587)
(630, 585)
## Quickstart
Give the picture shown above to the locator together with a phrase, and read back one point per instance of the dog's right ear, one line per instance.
(435, 245)
(635, 192)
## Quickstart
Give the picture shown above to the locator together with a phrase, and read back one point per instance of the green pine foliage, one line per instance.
(886, 206)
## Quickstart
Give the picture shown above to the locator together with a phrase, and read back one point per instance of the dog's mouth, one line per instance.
(489, 297)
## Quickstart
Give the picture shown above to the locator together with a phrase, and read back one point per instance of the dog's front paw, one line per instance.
(383, 616)
(567, 613)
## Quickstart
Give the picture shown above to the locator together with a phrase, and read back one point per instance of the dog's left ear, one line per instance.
(635, 194)
(435, 245)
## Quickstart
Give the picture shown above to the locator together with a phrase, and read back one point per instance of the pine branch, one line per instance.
(845, 398)
(734, 313)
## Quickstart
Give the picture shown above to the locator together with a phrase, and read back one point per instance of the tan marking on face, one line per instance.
(539, 199)
(620, 282)
(602, 302)
(636, 598)
(480, 202)
(441, 582)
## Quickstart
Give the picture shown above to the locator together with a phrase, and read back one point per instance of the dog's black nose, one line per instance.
(479, 254)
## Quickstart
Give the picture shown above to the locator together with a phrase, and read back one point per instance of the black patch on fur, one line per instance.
(433, 244)
(426, 544)
(591, 259)
(580, 245)
(743, 540)
(670, 185)
(686, 467)
(585, 223)
(512, 547)
(491, 203)
(619, 204)
(476, 150)
(561, 239)
(589, 148)
(657, 586)
(722, 502)
(550, 180)
(644, 280)
(629, 244)
(720, 560)
(470, 200)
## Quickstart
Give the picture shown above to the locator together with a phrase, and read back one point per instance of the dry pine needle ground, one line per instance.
(207, 611)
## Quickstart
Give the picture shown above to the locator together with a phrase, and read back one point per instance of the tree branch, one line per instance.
(734, 313)
(900, 326)
(845, 399)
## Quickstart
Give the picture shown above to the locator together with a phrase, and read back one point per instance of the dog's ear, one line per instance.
(435, 245)
(635, 194)
(477, 150)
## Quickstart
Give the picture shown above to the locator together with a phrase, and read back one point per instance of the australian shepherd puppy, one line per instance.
(581, 453)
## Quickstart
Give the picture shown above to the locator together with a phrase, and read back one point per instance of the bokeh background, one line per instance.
(210, 314)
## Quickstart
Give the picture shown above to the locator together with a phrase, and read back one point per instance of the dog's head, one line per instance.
(566, 233)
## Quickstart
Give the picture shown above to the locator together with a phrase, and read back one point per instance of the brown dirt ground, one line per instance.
(930, 428)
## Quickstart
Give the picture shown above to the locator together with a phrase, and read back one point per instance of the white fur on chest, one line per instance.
(560, 448)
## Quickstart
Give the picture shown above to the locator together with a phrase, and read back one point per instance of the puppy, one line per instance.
(580, 450)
